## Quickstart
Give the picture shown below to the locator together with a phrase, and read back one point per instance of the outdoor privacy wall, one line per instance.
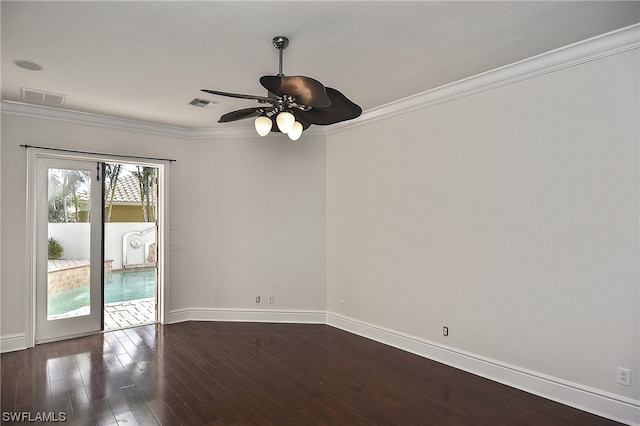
(118, 238)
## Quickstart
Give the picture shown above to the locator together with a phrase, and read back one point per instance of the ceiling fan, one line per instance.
(293, 103)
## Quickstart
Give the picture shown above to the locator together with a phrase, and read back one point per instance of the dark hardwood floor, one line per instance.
(208, 373)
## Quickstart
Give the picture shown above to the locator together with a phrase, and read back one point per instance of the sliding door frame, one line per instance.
(33, 155)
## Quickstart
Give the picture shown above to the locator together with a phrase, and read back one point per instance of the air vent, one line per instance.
(201, 103)
(40, 97)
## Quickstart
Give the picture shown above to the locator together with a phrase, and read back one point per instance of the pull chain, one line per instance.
(98, 172)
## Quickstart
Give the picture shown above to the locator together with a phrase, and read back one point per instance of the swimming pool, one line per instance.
(119, 286)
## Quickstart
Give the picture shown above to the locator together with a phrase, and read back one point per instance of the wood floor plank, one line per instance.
(221, 374)
(9, 392)
(162, 413)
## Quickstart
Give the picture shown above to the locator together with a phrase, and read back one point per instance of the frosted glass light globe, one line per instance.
(295, 133)
(285, 121)
(263, 125)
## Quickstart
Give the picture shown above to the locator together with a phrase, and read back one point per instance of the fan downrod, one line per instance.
(281, 43)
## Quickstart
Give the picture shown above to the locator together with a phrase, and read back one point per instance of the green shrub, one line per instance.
(55, 249)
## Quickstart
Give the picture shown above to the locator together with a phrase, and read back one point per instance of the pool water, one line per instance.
(119, 286)
(129, 285)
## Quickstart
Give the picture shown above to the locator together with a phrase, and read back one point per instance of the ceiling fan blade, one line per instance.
(305, 90)
(261, 99)
(240, 114)
(305, 124)
(341, 109)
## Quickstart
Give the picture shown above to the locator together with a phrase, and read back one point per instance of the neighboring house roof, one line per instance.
(128, 190)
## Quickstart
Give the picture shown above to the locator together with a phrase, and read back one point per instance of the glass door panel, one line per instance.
(69, 267)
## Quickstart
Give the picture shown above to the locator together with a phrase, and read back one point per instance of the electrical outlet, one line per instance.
(343, 304)
(257, 299)
(445, 331)
(623, 376)
(272, 299)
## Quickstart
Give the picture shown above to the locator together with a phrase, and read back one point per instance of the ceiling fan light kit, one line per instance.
(293, 103)
(285, 121)
(296, 131)
(263, 125)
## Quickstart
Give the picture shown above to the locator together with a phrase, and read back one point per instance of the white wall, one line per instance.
(510, 216)
(263, 201)
(252, 223)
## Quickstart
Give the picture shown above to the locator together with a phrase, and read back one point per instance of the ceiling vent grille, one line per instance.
(40, 97)
(201, 103)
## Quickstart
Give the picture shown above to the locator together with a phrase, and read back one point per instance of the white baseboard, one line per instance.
(247, 315)
(615, 407)
(13, 342)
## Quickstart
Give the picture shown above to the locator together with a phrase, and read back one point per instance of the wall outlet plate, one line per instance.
(623, 376)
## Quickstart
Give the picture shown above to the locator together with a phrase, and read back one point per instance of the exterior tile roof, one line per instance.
(128, 190)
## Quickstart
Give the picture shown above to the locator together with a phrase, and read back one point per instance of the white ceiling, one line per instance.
(146, 60)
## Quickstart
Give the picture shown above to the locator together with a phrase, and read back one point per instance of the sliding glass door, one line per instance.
(73, 255)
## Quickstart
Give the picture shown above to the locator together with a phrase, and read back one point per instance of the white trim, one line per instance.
(164, 242)
(615, 407)
(91, 119)
(22, 109)
(247, 315)
(578, 53)
(13, 342)
(30, 257)
(595, 401)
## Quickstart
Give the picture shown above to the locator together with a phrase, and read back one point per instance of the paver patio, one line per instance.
(129, 314)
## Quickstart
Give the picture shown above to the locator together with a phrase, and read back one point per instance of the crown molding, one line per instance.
(588, 50)
(608, 44)
(105, 121)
